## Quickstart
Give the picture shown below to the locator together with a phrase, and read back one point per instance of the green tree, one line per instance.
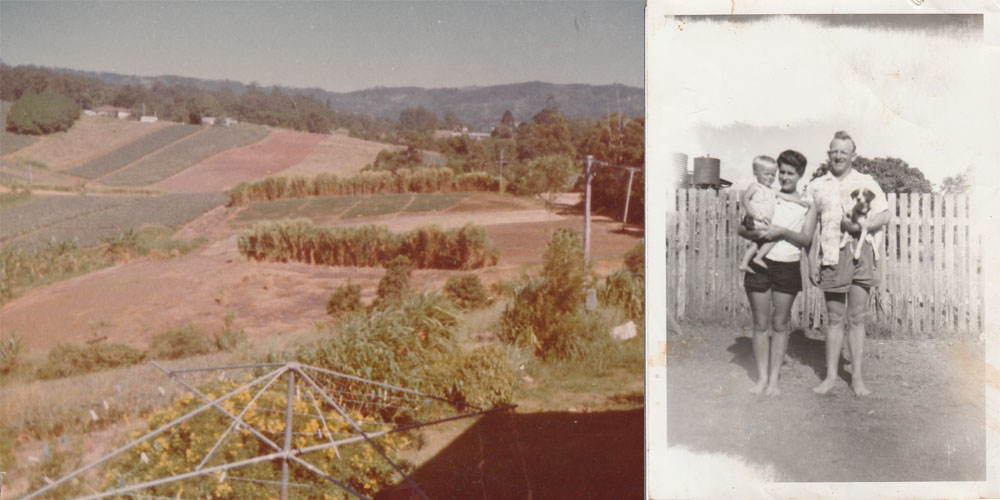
(40, 114)
(418, 119)
(958, 183)
(547, 174)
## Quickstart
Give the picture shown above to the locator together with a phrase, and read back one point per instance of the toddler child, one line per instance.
(759, 200)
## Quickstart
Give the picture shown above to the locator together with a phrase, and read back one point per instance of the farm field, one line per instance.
(186, 152)
(280, 150)
(88, 138)
(338, 154)
(10, 143)
(87, 219)
(132, 151)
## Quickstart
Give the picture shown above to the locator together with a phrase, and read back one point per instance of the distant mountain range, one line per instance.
(478, 107)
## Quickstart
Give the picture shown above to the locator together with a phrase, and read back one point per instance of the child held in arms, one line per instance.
(759, 200)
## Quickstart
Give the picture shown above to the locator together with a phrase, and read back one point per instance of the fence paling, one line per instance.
(929, 273)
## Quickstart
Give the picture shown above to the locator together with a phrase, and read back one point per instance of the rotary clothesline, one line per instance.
(286, 453)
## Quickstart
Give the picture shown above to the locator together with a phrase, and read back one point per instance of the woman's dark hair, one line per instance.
(793, 158)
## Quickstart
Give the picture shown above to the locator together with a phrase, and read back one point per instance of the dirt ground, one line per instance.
(924, 422)
(280, 150)
(132, 301)
(338, 154)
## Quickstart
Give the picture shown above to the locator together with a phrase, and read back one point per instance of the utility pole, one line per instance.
(586, 214)
(628, 194)
(501, 170)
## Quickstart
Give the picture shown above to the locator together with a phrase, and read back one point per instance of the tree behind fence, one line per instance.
(930, 280)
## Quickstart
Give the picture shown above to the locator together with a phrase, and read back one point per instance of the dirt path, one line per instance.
(924, 422)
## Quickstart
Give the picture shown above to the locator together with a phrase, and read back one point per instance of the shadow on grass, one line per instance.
(807, 351)
(538, 456)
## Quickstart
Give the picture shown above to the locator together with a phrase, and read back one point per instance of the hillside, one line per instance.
(478, 107)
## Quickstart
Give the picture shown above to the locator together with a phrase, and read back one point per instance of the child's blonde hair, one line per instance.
(764, 161)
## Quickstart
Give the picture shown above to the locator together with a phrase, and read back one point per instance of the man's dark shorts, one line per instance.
(784, 277)
(847, 272)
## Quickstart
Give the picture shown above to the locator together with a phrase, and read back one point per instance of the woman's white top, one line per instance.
(792, 216)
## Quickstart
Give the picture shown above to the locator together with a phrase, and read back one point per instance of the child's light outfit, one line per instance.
(761, 204)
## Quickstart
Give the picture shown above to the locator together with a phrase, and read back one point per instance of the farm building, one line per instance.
(110, 111)
(148, 119)
(208, 120)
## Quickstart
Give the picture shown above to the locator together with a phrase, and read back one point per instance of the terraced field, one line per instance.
(43, 218)
(88, 138)
(184, 153)
(114, 160)
(355, 206)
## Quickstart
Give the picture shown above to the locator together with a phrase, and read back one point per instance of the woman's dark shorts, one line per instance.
(785, 277)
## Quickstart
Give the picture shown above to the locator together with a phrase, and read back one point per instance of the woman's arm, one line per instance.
(801, 238)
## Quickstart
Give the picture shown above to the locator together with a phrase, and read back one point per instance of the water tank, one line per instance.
(679, 171)
(706, 171)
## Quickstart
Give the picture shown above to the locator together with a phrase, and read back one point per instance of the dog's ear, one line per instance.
(855, 193)
(869, 195)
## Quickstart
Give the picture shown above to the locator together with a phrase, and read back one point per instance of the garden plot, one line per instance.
(186, 152)
(132, 151)
(88, 138)
(280, 150)
(90, 218)
(340, 155)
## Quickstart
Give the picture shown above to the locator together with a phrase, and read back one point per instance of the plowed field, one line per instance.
(280, 150)
(340, 155)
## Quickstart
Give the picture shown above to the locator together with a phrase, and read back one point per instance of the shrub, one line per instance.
(544, 308)
(41, 114)
(635, 259)
(395, 283)
(65, 360)
(228, 338)
(399, 343)
(344, 300)
(121, 246)
(626, 291)
(543, 175)
(10, 352)
(467, 291)
(179, 343)
(482, 377)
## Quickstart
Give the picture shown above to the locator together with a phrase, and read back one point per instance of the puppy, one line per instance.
(861, 200)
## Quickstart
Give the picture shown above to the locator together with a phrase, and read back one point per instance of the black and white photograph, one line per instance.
(828, 179)
(322, 249)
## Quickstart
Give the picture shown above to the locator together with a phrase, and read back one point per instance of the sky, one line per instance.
(910, 87)
(335, 45)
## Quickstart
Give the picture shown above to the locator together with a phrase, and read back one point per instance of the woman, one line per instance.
(771, 290)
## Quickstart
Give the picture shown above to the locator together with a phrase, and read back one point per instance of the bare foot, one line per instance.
(772, 390)
(760, 262)
(859, 388)
(748, 269)
(825, 386)
(758, 387)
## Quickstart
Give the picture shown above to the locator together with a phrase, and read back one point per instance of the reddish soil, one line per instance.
(280, 150)
(133, 301)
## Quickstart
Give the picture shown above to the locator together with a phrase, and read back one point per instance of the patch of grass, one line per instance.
(269, 210)
(427, 202)
(66, 360)
(13, 142)
(183, 342)
(12, 199)
(326, 206)
(379, 204)
(184, 153)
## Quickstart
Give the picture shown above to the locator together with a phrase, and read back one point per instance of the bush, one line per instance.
(65, 360)
(10, 352)
(179, 343)
(547, 174)
(625, 288)
(344, 300)
(228, 338)
(544, 308)
(41, 114)
(395, 283)
(467, 291)
(482, 377)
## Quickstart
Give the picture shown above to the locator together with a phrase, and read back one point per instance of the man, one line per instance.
(846, 282)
